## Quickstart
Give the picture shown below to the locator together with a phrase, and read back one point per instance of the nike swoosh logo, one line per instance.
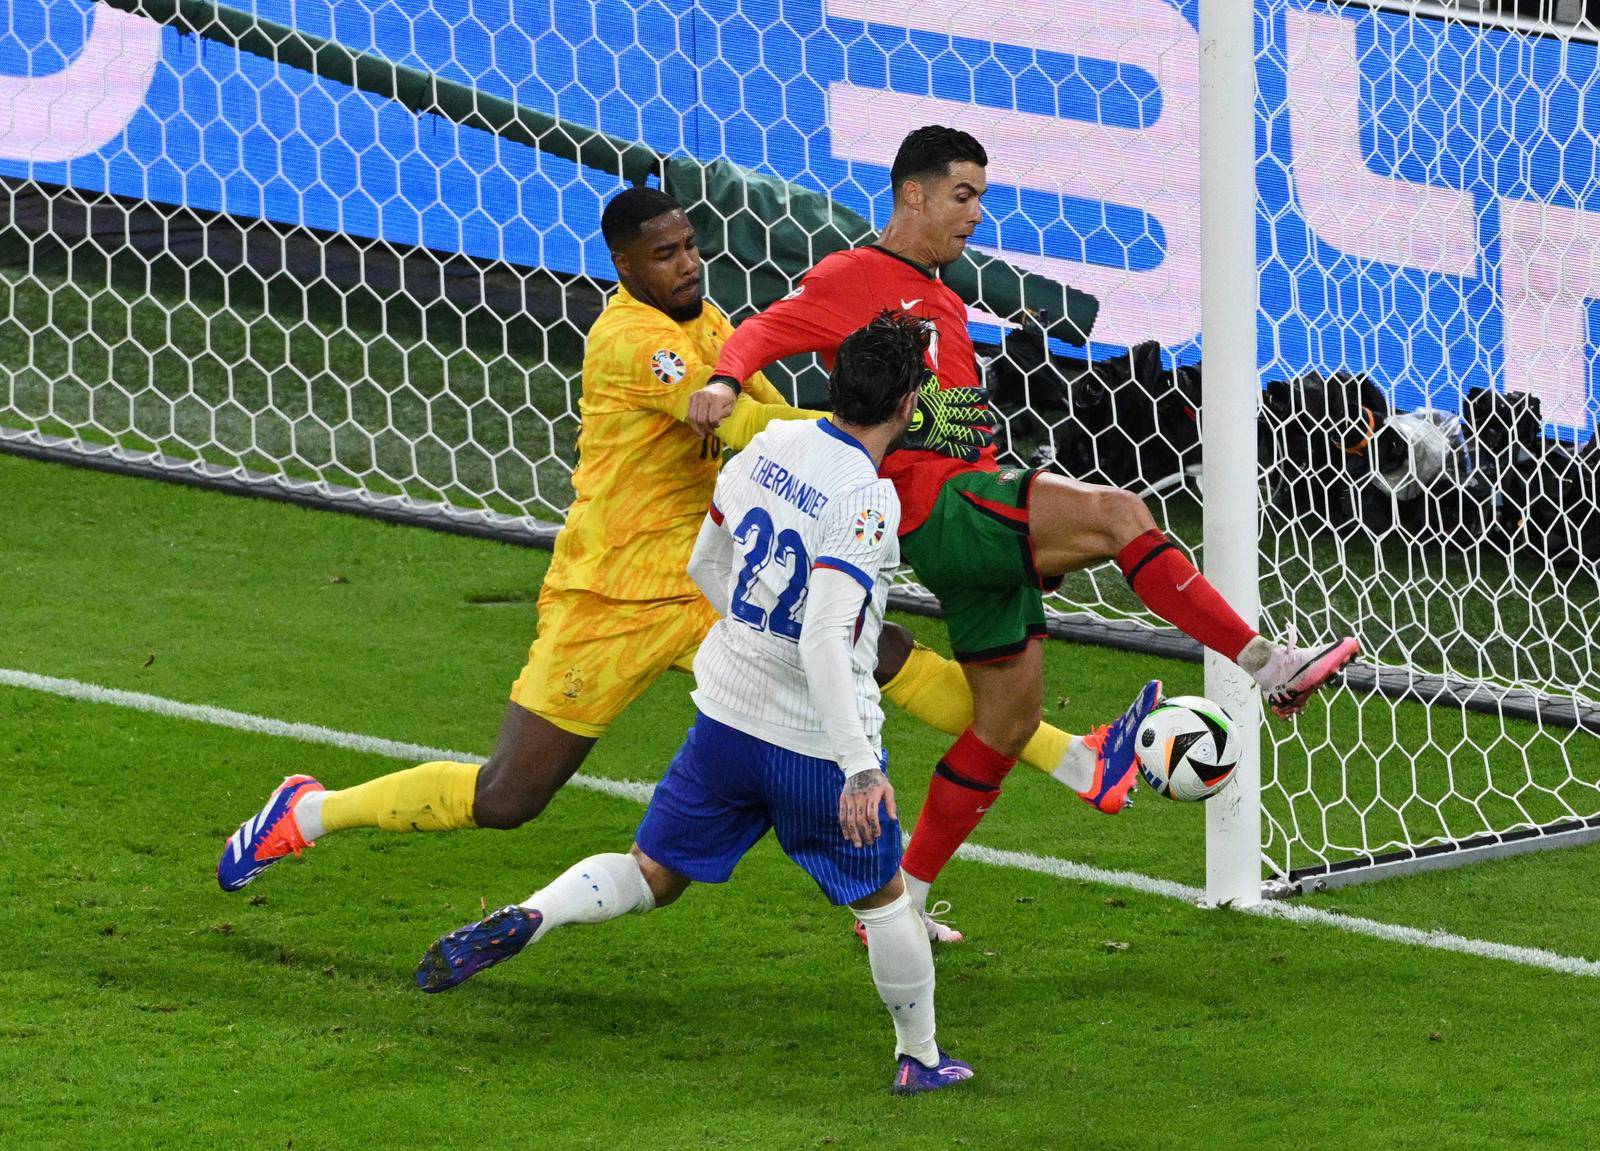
(981, 810)
(1188, 581)
(907, 305)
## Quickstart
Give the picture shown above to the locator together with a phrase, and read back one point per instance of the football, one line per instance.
(1187, 749)
(1414, 449)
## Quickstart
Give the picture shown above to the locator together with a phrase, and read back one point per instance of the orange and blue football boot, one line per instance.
(1114, 754)
(265, 837)
(913, 1077)
(453, 959)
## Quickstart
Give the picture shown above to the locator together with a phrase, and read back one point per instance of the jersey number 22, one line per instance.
(763, 544)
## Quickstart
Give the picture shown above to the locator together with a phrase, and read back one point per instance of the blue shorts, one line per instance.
(725, 788)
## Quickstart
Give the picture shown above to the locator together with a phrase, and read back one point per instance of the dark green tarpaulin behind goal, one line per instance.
(761, 233)
(757, 233)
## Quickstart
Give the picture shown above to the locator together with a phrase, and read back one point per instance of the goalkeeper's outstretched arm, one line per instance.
(795, 324)
(745, 418)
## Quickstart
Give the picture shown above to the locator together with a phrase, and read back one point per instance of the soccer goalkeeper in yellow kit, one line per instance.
(617, 607)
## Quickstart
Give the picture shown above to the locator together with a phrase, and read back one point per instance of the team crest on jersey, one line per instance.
(572, 684)
(668, 366)
(870, 527)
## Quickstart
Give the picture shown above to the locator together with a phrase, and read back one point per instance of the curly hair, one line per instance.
(877, 367)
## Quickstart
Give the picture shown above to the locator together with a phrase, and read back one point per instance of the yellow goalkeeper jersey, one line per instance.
(644, 478)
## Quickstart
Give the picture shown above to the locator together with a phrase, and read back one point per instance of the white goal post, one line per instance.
(1231, 395)
(1347, 254)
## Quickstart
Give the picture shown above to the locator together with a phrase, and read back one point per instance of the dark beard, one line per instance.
(688, 311)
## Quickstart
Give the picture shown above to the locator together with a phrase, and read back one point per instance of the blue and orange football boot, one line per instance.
(453, 959)
(265, 837)
(913, 1077)
(1115, 759)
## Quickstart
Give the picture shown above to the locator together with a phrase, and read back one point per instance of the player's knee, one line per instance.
(1008, 728)
(664, 883)
(884, 896)
(894, 648)
(504, 799)
(1009, 733)
(1016, 730)
(1121, 517)
(505, 812)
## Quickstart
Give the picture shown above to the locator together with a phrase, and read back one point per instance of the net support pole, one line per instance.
(1231, 397)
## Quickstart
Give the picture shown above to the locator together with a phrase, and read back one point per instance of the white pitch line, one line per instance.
(1293, 912)
(1066, 869)
(1438, 940)
(304, 732)
(640, 792)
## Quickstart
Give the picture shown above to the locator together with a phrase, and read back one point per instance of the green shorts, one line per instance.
(973, 552)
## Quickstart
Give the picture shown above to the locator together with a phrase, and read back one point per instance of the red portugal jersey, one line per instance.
(842, 293)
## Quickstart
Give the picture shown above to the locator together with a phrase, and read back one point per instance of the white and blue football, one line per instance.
(1187, 748)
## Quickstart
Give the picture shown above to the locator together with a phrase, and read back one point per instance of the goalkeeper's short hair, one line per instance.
(629, 210)
(877, 366)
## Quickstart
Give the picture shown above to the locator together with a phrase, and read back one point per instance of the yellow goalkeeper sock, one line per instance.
(1048, 747)
(933, 690)
(433, 797)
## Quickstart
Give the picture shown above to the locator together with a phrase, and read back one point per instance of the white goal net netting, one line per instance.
(350, 250)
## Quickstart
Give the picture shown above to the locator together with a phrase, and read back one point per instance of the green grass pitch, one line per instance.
(144, 1008)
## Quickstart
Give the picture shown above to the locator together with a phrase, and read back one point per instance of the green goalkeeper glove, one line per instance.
(954, 422)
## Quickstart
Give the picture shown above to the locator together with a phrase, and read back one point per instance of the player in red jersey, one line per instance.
(990, 542)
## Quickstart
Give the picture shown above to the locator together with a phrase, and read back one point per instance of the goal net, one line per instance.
(1427, 250)
(348, 252)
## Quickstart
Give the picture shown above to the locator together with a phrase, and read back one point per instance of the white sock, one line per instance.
(917, 891)
(902, 970)
(593, 890)
(1255, 655)
(1076, 768)
(308, 814)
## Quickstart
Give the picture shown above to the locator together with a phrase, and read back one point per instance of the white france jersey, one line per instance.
(802, 495)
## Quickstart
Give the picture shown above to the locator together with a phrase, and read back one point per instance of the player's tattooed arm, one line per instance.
(864, 793)
(833, 604)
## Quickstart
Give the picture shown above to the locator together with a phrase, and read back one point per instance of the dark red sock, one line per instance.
(1169, 585)
(964, 786)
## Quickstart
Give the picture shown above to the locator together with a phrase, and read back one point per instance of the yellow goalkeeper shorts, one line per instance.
(594, 656)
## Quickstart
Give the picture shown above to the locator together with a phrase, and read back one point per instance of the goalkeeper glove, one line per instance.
(954, 422)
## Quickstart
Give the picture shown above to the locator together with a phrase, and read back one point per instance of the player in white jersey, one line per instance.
(795, 553)
(775, 513)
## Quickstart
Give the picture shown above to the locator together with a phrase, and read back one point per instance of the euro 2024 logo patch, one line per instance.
(668, 366)
(870, 527)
